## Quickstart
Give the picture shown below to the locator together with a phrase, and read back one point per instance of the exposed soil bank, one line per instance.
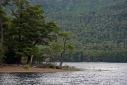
(30, 69)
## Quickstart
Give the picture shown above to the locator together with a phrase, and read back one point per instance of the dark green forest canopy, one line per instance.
(25, 28)
(97, 24)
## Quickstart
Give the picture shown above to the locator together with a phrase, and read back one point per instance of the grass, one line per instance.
(1, 66)
(26, 67)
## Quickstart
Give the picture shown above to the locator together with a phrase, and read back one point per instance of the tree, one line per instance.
(51, 51)
(65, 36)
(61, 47)
(3, 19)
(27, 29)
(1, 32)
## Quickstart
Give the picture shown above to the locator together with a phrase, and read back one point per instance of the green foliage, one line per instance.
(66, 34)
(69, 47)
(25, 24)
(98, 25)
(26, 67)
(1, 56)
(51, 51)
(98, 56)
(24, 60)
(25, 29)
(1, 66)
(64, 39)
(66, 47)
(3, 25)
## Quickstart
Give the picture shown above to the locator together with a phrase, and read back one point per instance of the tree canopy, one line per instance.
(26, 29)
(98, 26)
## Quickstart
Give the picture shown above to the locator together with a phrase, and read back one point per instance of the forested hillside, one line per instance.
(92, 21)
(27, 29)
(100, 27)
(23, 30)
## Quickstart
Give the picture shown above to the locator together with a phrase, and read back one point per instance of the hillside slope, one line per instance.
(100, 27)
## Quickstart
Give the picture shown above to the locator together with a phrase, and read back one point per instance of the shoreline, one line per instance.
(20, 69)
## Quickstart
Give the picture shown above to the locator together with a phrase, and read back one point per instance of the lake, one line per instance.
(92, 74)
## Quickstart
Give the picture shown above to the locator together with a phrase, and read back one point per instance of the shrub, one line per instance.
(25, 66)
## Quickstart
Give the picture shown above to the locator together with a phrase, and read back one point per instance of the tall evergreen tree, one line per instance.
(27, 29)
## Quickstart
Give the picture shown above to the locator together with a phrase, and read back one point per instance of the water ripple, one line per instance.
(86, 77)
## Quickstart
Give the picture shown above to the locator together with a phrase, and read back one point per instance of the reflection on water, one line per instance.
(95, 74)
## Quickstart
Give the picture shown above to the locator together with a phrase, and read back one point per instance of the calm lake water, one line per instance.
(92, 74)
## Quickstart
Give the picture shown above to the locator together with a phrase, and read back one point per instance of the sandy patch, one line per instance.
(30, 69)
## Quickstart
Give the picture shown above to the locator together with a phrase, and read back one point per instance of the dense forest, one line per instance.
(23, 30)
(97, 24)
(99, 27)
(98, 30)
